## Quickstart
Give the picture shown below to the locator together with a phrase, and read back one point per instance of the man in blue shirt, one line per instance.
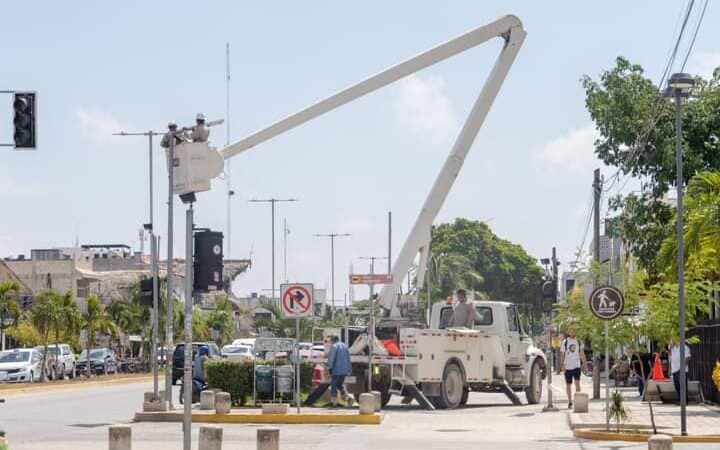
(339, 366)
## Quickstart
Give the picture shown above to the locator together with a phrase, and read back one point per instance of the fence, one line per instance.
(704, 356)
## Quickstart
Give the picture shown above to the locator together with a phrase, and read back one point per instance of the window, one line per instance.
(512, 319)
(483, 316)
(445, 317)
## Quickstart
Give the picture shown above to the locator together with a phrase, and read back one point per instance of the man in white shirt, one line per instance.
(675, 365)
(572, 360)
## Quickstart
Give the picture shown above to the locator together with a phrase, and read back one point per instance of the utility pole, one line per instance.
(332, 237)
(554, 263)
(228, 172)
(272, 202)
(372, 269)
(597, 193)
(389, 256)
(169, 307)
(286, 232)
(153, 257)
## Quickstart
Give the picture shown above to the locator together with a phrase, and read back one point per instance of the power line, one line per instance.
(591, 208)
(697, 29)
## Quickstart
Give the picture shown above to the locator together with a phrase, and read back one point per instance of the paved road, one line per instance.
(78, 420)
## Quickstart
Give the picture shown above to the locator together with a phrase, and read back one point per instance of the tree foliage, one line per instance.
(468, 254)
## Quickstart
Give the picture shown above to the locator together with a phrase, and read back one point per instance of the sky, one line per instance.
(100, 69)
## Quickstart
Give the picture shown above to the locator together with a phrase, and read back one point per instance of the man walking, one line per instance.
(464, 312)
(339, 366)
(572, 360)
(675, 365)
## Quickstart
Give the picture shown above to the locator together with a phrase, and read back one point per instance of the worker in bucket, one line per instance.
(339, 366)
(200, 132)
(172, 130)
(464, 312)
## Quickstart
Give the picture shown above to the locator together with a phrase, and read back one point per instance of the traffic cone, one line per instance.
(657, 372)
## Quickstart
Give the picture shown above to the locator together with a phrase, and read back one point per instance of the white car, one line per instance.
(21, 364)
(247, 342)
(60, 361)
(238, 352)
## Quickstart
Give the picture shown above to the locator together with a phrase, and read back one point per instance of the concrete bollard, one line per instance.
(275, 408)
(148, 397)
(268, 438)
(119, 437)
(210, 438)
(660, 442)
(207, 400)
(222, 403)
(378, 400)
(581, 403)
(367, 403)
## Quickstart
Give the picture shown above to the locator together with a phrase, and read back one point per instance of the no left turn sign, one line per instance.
(296, 299)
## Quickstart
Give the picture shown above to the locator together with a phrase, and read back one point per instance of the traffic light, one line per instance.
(208, 262)
(24, 105)
(549, 294)
(146, 292)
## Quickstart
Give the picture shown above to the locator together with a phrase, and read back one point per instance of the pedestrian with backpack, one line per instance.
(572, 361)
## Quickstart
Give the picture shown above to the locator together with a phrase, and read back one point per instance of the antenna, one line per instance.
(230, 191)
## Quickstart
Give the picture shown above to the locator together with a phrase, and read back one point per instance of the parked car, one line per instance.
(102, 361)
(20, 364)
(248, 342)
(238, 352)
(179, 357)
(60, 362)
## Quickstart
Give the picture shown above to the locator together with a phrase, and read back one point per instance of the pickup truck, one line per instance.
(439, 366)
(60, 362)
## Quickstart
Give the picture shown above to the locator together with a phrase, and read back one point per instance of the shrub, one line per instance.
(237, 378)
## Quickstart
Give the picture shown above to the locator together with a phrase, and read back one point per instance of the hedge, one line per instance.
(237, 378)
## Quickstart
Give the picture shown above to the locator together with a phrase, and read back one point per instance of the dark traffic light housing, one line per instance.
(208, 261)
(549, 294)
(25, 109)
(146, 291)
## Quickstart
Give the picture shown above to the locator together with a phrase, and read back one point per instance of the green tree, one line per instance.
(9, 310)
(126, 316)
(468, 254)
(221, 319)
(95, 320)
(67, 319)
(25, 333)
(44, 315)
(636, 126)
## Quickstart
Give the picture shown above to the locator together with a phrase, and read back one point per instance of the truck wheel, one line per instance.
(533, 392)
(465, 396)
(453, 385)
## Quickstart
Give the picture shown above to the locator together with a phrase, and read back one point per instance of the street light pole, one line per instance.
(272, 202)
(332, 237)
(153, 258)
(679, 85)
(372, 269)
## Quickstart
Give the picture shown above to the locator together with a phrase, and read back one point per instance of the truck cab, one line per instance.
(502, 319)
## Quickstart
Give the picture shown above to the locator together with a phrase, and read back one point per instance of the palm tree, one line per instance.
(9, 310)
(126, 316)
(702, 221)
(44, 316)
(67, 320)
(221, 319)
(95, 320)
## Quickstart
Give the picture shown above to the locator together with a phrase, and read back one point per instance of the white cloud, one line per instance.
(97, 125)
(704, 63)
(572, 152)
(422, 108)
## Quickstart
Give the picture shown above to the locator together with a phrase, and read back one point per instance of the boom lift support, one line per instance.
(510, 29)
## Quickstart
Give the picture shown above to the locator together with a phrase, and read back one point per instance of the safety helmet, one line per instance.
(204, 350)
(172, 124)
(200, 116)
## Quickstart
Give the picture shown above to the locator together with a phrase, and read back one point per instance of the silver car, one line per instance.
(20, 364)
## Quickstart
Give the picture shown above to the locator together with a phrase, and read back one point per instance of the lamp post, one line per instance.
(272, 202)
(679, 86)
(332, 237)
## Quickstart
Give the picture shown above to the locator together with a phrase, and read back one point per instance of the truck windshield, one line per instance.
(483, 316)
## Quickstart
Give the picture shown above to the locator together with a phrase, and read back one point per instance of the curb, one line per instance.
(597, 435)
(44, 388)
(240, 418)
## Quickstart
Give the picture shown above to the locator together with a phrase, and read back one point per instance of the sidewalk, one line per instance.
(702, 419)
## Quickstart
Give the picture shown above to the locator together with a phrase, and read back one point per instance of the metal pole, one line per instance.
(285, 233)
(597, 192)
(607, 376)
(389, 268)
(272, 208)
(187, 372)
(550, 407)
(680, 261)
(153, 274)
(332, 276)
(297, 363)
(371, 339)
(170, 311)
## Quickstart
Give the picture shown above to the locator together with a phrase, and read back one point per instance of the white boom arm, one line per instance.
(511, 30)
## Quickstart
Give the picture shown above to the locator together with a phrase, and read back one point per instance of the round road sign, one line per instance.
(296, 301)
(606, 302)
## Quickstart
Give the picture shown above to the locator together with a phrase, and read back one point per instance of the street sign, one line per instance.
(296, 299)
(274, 345)
(371, 278)
(606, 302)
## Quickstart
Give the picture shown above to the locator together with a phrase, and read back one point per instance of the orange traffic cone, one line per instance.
(657, 372)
